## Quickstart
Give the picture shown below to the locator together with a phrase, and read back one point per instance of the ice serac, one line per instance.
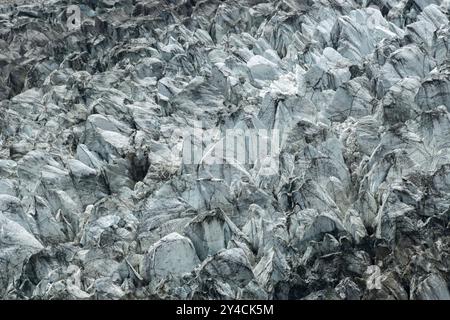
(129, 167)
(172, 254)
(16, 245)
